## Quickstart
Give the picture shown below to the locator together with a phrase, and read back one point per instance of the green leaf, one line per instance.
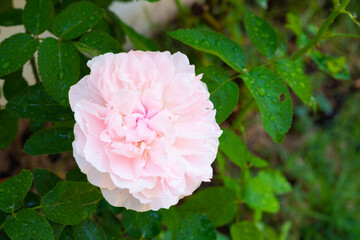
(275, 180)
(337, 67)
(28, 224)
(273, 98)
(170, 217)
(299, 82)
(59, 68)
(8, 128)
(45, 180)
(36, 125)
(294, 24)
(102, 3)
(140, 42)
(259, 196)
(31, 200)
(35, 103)
(214, 43)
(194, 226)
(15, 51)
(236, 150)
(6, 5)
(142, 224)
(3, 217)
(245, 230)
(110, 224)
(70, 202)
(224, 94)
(261, 34)
(97, 42)
(76, 175)
(262, 3)
(232, 184)
(50, 141)
(14, 86)
(14, 190)
(76, 19)
(88, 230)
(11, 17)
(217, 203)
(38, 15)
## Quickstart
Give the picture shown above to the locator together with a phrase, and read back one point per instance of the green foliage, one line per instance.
(28, 224)
(217, 203)
(13, 86)
(87, 230)
(97, 42)
(70, 202)
(35, 103)
(214, 43)
(11, 17)
(245, 230)
(15, 51)
(261, 34)
(336, 67)
(38, 15)
(14, 190)
(50, 141)
(142, 224)
(8, 128)
(76, 19)
(224, 94)
(194, 226)
(59, 68)
(44, 180)
(273, 99)
(275, 180)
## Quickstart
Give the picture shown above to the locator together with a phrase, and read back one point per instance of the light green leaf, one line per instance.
(259, 196)
(337, 67)
(245, 230)
(142, 224)
(275, 180)
(236, 150)
(194, 226)
(15, 51)
(14, 190)
(294, 23)
(140, 42)
(261, 34)
(38, 15)
(97, 42)
(76, 19)
(224, 94)
(8, 128)
(70, 202)
(11, 17)
(59, 68)
(45, 180)
(214, 43)
(35, 103)
(50, 141)
(263, 3)
(293, 74)
(217, 203)
(273, 98)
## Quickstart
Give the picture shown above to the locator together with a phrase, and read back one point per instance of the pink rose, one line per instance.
(145, 129)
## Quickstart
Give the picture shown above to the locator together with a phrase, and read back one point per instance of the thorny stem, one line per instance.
(33, 66)
(343, 35)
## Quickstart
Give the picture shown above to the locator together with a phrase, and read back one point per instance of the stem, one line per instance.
(322, 30)
(343, 35)
(33, 66)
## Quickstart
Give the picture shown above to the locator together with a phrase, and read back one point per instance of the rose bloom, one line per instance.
(145, 129)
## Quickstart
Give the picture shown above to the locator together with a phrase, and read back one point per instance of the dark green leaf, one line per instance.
(76, 19)
(275, 180)
(97, 42)
(337, 67)
(259, 196)
(273, 99)
(142, 224)
(224, 94)
(38, 15)
(50, 141)
(3, 216)
(214, 43)
(170, 217)
(13, 87)
(261, 34)
(8, 128)
(88, 230)
(6, 5)
(28, 224)
(15, 51)
(102, 3)
(110, 224)
(233, 184)
(245, 230)
(36, 125)
(299, 82)
(194, 226)
(31, 200)
(45, 180)
(217, 203)
(140, 42)
(35, 103)
(76, 175)
(59, 68)
(70, 202)
(236, 150)
(11, 17)
(14, 190)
